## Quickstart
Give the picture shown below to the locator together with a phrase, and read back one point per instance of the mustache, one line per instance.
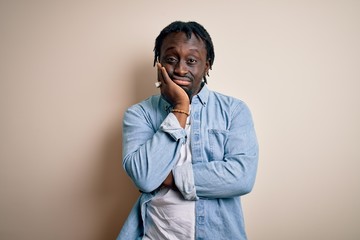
(187, 76)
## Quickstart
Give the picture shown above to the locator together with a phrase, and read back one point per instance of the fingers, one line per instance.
(162, 74)
(159, 73)
(169, 89)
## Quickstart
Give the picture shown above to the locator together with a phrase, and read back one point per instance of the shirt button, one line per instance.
(196, 138)
(196, 116)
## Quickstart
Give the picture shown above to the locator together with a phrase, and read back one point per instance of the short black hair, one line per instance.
(188, 28)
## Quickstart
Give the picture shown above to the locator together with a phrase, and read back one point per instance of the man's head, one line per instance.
(190, 30)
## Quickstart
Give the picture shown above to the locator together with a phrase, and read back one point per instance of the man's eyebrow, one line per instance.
(169, 48)
(191, 49)
(194, 49)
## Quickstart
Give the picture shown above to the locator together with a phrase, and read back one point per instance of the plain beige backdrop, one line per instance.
(69, 69)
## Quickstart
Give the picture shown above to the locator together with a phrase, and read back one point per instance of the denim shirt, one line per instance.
(224, 161)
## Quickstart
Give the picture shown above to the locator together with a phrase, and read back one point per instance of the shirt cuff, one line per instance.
(172, 126)
(184, 181)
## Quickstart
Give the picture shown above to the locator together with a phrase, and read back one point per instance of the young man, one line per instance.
(191, 152)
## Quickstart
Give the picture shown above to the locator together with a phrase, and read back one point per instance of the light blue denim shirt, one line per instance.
(224, 161)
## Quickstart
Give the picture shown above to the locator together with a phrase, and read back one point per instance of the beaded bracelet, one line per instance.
(180, 111)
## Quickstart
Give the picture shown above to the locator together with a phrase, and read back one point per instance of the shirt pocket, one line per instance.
(217, 141)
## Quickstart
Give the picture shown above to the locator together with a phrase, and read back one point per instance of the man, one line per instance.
(191, 152)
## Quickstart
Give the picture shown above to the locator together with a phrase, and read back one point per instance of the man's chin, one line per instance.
(188, 92)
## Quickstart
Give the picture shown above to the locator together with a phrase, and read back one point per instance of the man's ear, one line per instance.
(207, 67)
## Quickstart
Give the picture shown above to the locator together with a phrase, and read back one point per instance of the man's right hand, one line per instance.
(173, 93)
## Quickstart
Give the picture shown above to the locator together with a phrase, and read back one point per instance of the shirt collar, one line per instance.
(203, 95)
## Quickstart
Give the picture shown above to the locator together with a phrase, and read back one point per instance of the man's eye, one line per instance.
(192, 61)
(171, 60)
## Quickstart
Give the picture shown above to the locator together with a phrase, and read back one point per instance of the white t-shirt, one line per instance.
(169, 215)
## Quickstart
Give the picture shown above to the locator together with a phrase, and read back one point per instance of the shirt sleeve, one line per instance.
(184, 181)
(149, 151)
(172, 126)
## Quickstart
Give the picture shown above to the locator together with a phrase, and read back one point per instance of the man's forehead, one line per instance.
(176, 38)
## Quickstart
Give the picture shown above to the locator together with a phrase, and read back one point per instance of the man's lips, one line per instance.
(182, 82)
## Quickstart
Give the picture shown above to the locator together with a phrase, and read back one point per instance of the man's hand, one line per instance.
(169, 182)
(173, 93)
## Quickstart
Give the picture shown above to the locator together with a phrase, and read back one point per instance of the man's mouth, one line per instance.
(182, 81)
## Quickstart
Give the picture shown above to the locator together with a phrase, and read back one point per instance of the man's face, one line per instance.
(185, 61)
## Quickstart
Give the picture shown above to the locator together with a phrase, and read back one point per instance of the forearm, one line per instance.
(223, 179)
(148, 154)
(150, 164)
(217, 179)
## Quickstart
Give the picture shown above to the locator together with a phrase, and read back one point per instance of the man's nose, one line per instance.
(181, 68)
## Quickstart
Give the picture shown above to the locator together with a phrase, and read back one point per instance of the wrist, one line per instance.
(175, 110)
(183, 107)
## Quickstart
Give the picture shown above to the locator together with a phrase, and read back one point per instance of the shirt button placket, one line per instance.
(196, 158)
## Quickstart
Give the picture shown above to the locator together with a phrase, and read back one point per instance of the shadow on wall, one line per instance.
(115, 190)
